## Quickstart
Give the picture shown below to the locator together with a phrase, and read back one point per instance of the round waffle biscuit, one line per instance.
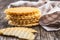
(22, 22)
(29, 25)
(21, 11)
(36, 16)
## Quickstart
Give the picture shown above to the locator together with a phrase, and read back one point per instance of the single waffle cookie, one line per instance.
(36, 16)
(25, 25)
(21, 11)
(20, 32)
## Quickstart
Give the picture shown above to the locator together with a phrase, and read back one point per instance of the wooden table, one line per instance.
(42, 34)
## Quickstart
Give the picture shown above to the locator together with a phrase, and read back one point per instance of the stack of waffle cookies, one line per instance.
(23, 16)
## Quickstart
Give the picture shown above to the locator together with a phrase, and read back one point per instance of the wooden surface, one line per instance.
(42, 34)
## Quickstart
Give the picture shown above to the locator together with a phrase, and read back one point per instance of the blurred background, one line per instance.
(30, 0)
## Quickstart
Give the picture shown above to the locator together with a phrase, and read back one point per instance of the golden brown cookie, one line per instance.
(21, 11)
(36, 16)
(23, 16)
(28, 25)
